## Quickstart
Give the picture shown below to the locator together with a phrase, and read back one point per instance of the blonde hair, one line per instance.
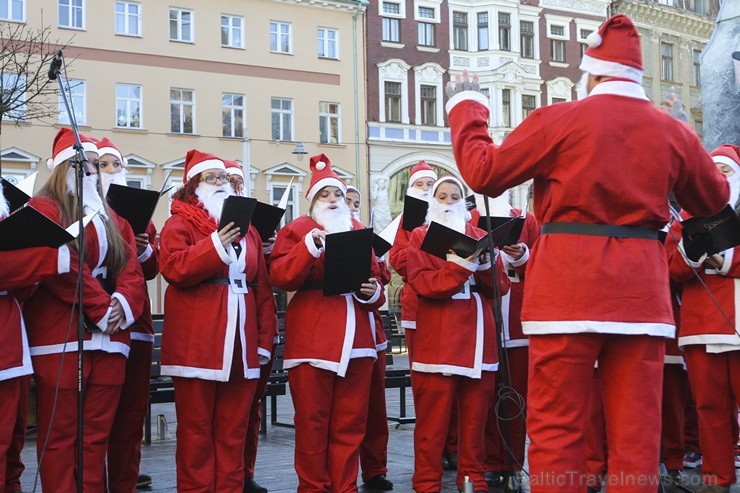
(56, 189)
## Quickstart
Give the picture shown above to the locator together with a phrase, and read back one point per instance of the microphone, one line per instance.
(56, 65)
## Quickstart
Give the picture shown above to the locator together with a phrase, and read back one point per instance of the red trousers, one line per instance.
(596, 450)
(410, 334)
(124, 446)
(434, 397)
(330, 423)
(561, 369)
(374, 447)
(675, 388)
(691, 424)
(255, 418)
(14, 465)
(497, 455)
(103, 378)
(715, 382)
(11, 394)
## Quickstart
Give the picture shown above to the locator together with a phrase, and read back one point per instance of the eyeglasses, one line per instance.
(211, 179)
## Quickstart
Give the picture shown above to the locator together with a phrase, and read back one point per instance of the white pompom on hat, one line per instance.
(614, 50)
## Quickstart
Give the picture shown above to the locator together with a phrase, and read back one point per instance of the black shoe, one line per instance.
(379, 483)
(251, 486)
(593, 490)
(494, 478)
(449, 461)
(143, 481)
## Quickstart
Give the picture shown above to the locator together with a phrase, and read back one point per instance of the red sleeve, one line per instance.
(380, 301)
(267, 326)
(290, 261)
(531, 233)
(130, 282)
(22, 268)
(680, 270)
(398, 252)
(430, 280)
(734, 267)
(385, 273)
(150, 266)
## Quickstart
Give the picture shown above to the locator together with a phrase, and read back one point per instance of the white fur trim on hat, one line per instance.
(729, 162)
(102, 151)
(70, 152)
(425, 173)
(320, 165)
(204, 165)
(326, 182)
(447, 178)
(235, 171)
(596, 66)
(594, 40)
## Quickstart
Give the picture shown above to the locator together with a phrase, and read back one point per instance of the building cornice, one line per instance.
(655, 16)
(350, 6)
(589, 7)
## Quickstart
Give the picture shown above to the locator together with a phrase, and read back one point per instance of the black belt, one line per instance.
(222, 280)
(312, 286)
(474, 288)
(610, 230)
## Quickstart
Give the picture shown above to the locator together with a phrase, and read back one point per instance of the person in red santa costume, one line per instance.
(124, 445)
(456, 352)
(600, 188)
(19, 270)
(329, 341)
(219, 326)
(514, 258)
(113, 298)
(374, 448)
(708, 335)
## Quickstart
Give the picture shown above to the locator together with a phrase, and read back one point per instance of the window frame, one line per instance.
(278, 35)
(529, 36)
(63, 118)
(528, 110)
(325, 120)
(237, 132)
(386, 96)
(423, 110)
(11, 11)
(460, 30)
(325, 42)
(230, 31)
(70, 7)
(506, 113)
(483, 26)
(183, 103)
(126, 18)
(280, 111)
(664, 68)
(128, 101)
(504, 31)
(293, 204)
(180, 23)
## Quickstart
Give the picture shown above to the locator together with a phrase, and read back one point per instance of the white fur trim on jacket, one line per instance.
(597, 327)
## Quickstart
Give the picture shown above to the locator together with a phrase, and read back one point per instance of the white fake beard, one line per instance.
(499, 206)
(734, 182)
(332, 220)
(356, 215)
(91, 200)
(453, 216)
(212, 197)
(4, 207)
(420, 194)
(106, 179)
(581, 87)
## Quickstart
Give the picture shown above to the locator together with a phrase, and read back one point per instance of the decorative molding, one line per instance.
(459, 61)
(670, 20)
(393, 69)
(585, 6)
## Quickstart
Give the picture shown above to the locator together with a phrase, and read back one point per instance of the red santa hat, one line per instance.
(448, 178)
(197, 162)
(323, 176)
(234, 168)
(105, 146)
(727, 154)
(421, 170)
(614, 50)
(63, 147)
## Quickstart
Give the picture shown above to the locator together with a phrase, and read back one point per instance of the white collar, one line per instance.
(619, 88)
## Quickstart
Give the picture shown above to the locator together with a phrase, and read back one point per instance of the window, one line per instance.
(582, 35)
(504, 31)
(328, 39)
(670, 3)
(391, 30)
(696, 57)
(12, 10)
(393, 102)
(182, 111)
(232, 31)
(558, 100)
(282, 119)
(483, 31)
(128, 19)
(328, 123)
(128, 106)
(506, 107)
(526, 30)
(426, 29)
(13, 95)
(666, 57)
(76, 98)
(557, 46)
(72, 14)
(529, 104)
(428, 97)
(181, 25)
(280, 37)
(232, 115)
(290, 210)
(392, 8)
(700, 7)
(460, 30)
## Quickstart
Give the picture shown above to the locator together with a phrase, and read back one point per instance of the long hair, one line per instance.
(56, 189)
(186, 193)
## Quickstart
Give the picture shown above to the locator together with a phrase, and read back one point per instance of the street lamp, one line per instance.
(299, 151)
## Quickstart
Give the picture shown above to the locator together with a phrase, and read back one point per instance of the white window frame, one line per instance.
(401, 9)
(419, 81)
(21, 108)
(672, 59)
(520, 102)
(513, 18)
(128, 100)
(434, 6)
(281, 111)
(232, 109)
(279, 34)
(294, 203)
(323, 40)
(70, 8)
(230, 29)
(325, 120)
(80, 104)
(557, 20)
(11, 11)
(402, 68)
(180, 11)
(478, 29)
(182, 104)
(126, 19)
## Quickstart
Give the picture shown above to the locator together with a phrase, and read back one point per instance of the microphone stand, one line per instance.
(81, 166)
(511, 485)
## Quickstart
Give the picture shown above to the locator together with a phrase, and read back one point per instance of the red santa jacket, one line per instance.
(143, 328)
(588, 168)
(409, 300)
(673, 354)
(324, 332)
(47, 312)
(20, 269)
(213, 296)
(701, 320)
(381, 340)
(454, 325)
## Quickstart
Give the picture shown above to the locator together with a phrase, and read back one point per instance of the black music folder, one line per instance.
(266, 219)
(414, 212)
(29, 228)
(16, 197)
(238, 210)
(347, 259)
(470, 202)
(715, 233)
(440, 239)
(135, 205)
(505, 230)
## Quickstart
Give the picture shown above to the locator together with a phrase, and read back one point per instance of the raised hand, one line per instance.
(228, 234)
(463, 83)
